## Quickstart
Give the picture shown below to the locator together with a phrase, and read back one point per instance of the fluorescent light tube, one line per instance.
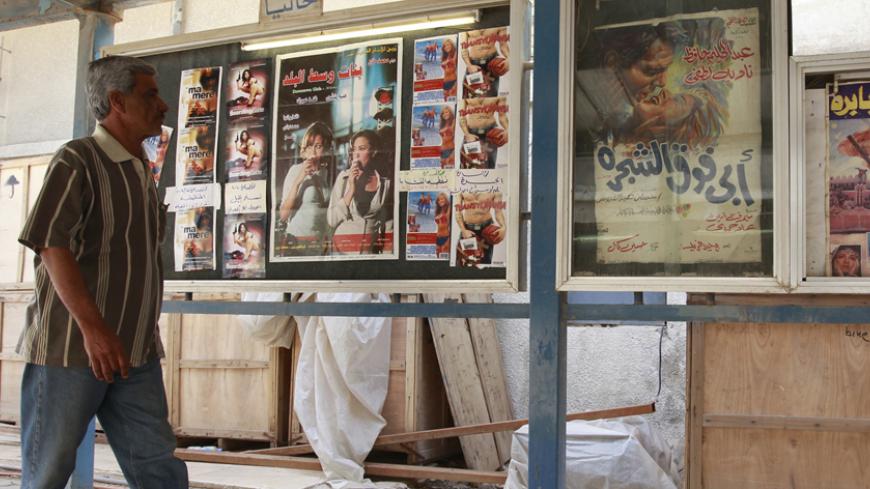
(326, 36)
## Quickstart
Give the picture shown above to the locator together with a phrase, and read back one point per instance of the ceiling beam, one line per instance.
(16, 14)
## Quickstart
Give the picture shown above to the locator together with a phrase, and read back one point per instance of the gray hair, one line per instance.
(113, 73)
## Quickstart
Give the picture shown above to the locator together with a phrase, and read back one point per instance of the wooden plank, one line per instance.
(500, 426)
(464, 387)
(14, 207)
(12, 317)
(767, 459)
(280, 385)
(223, 433)
(172, 347)
(803, 370)
(371, 469)
(487, 352)
(219, 364)
(849, 425)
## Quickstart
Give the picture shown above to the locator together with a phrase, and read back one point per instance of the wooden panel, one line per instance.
(489, 363)
(779, 405)
(743, 459)
(12, 365)
(12, 200)
(787, 369)
(207, 337)
(34, 184)
(464, 387)
(224, 399)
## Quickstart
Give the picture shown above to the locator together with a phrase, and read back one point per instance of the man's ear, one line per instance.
(117, 101)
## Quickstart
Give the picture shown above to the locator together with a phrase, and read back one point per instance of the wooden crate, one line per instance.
(779, 405)
(12, 310)
(222, 384)
(416, 399)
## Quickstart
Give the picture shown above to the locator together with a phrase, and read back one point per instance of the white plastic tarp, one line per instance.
(604, 454)
(341, 385)
(271, 330)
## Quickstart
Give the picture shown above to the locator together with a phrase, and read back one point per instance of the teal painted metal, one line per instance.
(349, 309)
(718, 313)
(547, 334)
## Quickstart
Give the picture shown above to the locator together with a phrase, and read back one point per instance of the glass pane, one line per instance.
(837, 193)
(672, 139)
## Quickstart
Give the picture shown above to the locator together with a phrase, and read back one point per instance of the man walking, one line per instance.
(92, 346)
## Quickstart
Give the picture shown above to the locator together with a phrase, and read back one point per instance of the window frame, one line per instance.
(778, 282)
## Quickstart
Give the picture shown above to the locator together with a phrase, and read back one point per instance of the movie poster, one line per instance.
(246, 151)
(199, 96)
(195, 155)
(194, 239)
(482, 133)
(479, 224)
(154, 149)
(674, 109)
(432, 135)
(244, 250)
(199, 99)
(335, 156)
(484, 63)
(247, 89)
(435, 65)
(848, 115)
(429, 223)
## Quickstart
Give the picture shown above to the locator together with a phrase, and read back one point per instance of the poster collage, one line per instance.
(848, 191)
(331, 159)
(672, 105)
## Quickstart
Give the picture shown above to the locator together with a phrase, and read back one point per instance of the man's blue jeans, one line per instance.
(57, 405)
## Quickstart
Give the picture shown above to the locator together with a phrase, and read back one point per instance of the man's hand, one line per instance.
(105, 353)
(102, 345)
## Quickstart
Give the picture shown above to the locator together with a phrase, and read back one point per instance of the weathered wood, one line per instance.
(12, 313)
(487, 352)
(464, 387)
(371, 469)
(13, 219)
(782, 405)
(457, 431)
(818, 423)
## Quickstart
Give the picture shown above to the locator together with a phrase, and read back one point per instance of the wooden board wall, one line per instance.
(779, 405)
(12, 311)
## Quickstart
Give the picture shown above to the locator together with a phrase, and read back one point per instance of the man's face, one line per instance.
(144, 107)
(646, 75)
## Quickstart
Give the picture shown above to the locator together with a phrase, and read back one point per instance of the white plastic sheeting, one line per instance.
(271, 330)
(604, 454)
(341, 384)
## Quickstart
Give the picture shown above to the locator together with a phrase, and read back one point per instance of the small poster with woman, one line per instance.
(245, 151)
(432, 135)
(428, 226)
(244, 250)
(194, 239)
(435, 62)
(247, 89)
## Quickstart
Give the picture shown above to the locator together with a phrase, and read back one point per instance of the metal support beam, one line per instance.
(95, 32)
(547, 334)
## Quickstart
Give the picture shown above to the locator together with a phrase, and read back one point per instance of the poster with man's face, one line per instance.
(673, 107)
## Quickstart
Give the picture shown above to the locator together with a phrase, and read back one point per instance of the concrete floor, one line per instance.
(202, 475)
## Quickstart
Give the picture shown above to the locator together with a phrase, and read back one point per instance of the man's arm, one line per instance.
(102, 345)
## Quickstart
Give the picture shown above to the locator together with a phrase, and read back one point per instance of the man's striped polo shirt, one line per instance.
(99, 202)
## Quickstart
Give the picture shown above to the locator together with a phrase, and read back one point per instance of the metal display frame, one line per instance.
(547, 310)
(347, 19)
(778, 282)
(848, 65)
